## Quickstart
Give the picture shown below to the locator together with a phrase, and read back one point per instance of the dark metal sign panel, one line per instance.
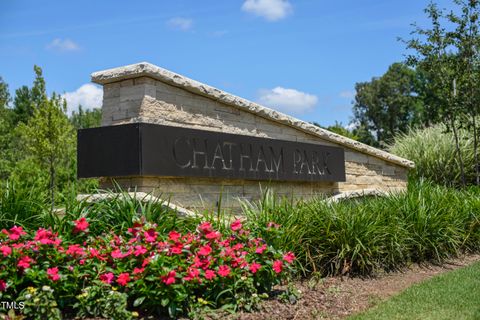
(142, 149)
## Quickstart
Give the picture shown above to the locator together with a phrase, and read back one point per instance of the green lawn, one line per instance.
(453, 295)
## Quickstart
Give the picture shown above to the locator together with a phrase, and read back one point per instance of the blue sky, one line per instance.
(301, 57)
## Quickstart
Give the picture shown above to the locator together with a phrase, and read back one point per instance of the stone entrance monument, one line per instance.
(167, 134)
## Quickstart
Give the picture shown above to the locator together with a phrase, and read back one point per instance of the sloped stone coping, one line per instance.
(357, 194)
(140, 196)
(145, 69)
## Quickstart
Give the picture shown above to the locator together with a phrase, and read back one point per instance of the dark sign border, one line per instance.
(143, 149)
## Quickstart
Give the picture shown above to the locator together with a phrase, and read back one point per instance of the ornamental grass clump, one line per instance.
(150, 271)
(427, 222)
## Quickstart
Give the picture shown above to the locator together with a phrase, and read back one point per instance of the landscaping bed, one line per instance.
(123, 258)
(341, 297)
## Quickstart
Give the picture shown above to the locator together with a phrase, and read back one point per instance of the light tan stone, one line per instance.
(145, 93)
(144, 69)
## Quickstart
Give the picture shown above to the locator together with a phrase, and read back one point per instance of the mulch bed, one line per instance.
(339, 297)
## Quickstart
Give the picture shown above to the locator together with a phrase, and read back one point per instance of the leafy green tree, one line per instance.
(466, 39)
(4, 95)
(365, 135)
(83, 119)
(338, 128)
(447, 53)
(388, 104)
(5, 130)
(47, 136)
(22, 104)
(27, 100)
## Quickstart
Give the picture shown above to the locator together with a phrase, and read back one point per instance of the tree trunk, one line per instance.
(459, 153)
(475, 151)
(52, 185)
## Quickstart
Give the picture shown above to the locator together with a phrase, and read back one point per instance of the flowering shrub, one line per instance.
(157, 272)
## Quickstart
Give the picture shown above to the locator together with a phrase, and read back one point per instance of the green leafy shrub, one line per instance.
(39, 303)
(433, 151)
(102, 301)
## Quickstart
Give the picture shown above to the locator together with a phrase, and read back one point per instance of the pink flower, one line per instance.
(192, 274)
(45, 236)
(53, 274)
(210, 274)
(273, 225)
(94, 253)
(24, 262)
(150, 235)
(254, 267)
(5, 250)
(277, 266)
(74, 250)
(205, 227)
(224, 243)
(145, 262)
(139, 250)
(213, 235)
(169, 278)
(205, 251)
(223, 271)
(123, 279)
(135, 228)
(138, 270)
(238, 246)
(3, 285)
(260, 249)
(174, 236)
(80, 225)
(177, 249)
(118, 254)
(289, 257)
(107, 277)
(236, 225)
(16, 233)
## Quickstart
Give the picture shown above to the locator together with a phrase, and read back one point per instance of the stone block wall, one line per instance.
(144, 99)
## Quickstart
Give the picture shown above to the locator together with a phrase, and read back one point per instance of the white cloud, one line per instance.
(181, 24)
(88, 95)
(347, 94)
(288, 100)
(351, 126)
(63, 45)
(271, 10)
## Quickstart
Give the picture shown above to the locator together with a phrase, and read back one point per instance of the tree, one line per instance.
(466, 38)
(4, 95)
(47, 136)
(450, 59)
(365, 135)
(27, 100)
(83, 119)
(388, 104)
(338, 128)
(5, 129)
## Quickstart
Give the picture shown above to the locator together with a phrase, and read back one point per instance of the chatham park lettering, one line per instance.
(192, 153)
